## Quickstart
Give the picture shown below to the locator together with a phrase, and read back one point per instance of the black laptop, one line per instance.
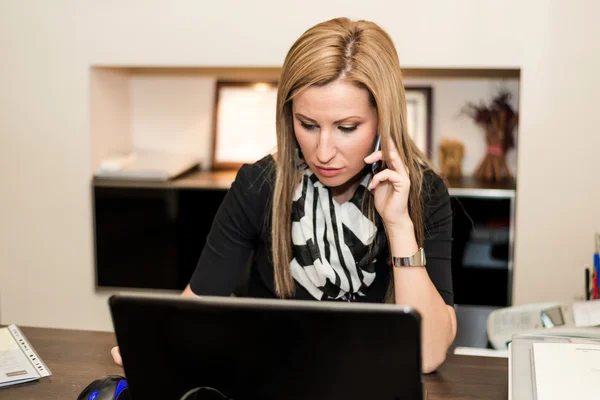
(240, 349)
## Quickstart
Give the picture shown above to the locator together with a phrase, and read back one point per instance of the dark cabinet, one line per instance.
(150, 235)
(482, 250)
(150, 238)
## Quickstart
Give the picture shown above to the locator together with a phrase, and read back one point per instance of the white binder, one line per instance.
(521, 363)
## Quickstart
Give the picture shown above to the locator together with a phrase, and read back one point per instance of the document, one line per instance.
(586, 313)
(566, 370)
(475, 351)
(18, 360)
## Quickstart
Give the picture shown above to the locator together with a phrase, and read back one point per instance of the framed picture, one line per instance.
(244, 123)
(419, 116)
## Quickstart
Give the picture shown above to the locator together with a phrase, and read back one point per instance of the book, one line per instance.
(19, 362)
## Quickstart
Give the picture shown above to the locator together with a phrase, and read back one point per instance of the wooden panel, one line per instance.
(220, 73)
(273, 72)
(76, 358)
(467, 73)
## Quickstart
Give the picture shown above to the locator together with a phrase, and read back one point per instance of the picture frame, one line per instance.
(244, 123)
(419, 112)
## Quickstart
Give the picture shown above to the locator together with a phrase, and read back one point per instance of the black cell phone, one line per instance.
(376, 166)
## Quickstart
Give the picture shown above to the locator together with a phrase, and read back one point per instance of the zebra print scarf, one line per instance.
(331, 242)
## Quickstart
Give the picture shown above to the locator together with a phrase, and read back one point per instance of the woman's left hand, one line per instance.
(391, 188)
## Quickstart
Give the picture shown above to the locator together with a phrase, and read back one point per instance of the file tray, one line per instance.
(521, 366)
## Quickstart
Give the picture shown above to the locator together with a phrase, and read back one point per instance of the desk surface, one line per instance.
(78, 357)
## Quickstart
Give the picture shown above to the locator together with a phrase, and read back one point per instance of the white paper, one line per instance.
(476, 351)
(566, 371)
(14, 366)
(586, 313)
(146, 165)
(18, 360)
(510, 377)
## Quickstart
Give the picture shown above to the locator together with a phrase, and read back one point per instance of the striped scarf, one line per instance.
(331, 241)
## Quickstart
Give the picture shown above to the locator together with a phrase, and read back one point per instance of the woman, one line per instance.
(313, 220)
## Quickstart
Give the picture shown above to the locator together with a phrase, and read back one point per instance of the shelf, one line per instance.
(222, 180)
(273, 72)
(473, 187)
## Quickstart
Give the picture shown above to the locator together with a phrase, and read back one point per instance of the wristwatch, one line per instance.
(416, 260)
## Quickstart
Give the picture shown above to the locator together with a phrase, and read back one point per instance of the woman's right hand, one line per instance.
(116, 355)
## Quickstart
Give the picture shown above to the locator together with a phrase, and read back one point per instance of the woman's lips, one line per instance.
(329, 172)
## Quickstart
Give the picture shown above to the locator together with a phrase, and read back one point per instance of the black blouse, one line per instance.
(241, 234)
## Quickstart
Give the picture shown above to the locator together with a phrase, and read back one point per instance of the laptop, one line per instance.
(239, 348)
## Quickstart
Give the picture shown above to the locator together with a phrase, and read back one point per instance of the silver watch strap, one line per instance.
(416, 260)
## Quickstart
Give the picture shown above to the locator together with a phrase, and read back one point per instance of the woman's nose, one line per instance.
(326, 149)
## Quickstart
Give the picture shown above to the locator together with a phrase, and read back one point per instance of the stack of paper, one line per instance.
(151, 166)
(586, 313)
(18, 360)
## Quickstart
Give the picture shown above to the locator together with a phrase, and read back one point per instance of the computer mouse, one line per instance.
(112, 387)
(204, 393)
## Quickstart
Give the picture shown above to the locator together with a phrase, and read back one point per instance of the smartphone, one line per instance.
(376, 166)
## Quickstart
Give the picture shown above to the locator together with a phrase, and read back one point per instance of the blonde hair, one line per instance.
(361, 53)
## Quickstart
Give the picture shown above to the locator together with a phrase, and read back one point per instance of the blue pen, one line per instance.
(597, 264)
(597, 269)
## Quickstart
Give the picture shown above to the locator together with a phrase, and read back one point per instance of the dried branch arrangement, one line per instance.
(498, 122)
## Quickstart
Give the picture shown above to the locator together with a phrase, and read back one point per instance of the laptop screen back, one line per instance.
(267, 349)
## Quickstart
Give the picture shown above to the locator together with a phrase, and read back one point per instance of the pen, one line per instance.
(597, 258)
(587, 284)
(596, 273)
(594, 285)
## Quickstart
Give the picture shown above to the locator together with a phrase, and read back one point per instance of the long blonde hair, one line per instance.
(361, 53)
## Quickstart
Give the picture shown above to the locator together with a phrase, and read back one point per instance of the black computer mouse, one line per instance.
(204, 393)
(112, 387)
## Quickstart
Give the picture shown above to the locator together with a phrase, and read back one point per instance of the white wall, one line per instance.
(558, 189)
(173, 114)
(110, 115)
(46, 257)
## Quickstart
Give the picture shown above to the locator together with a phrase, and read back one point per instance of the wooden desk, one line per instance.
(78, 357)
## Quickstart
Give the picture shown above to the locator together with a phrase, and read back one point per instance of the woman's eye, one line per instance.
(347, 129)
(308, 127)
